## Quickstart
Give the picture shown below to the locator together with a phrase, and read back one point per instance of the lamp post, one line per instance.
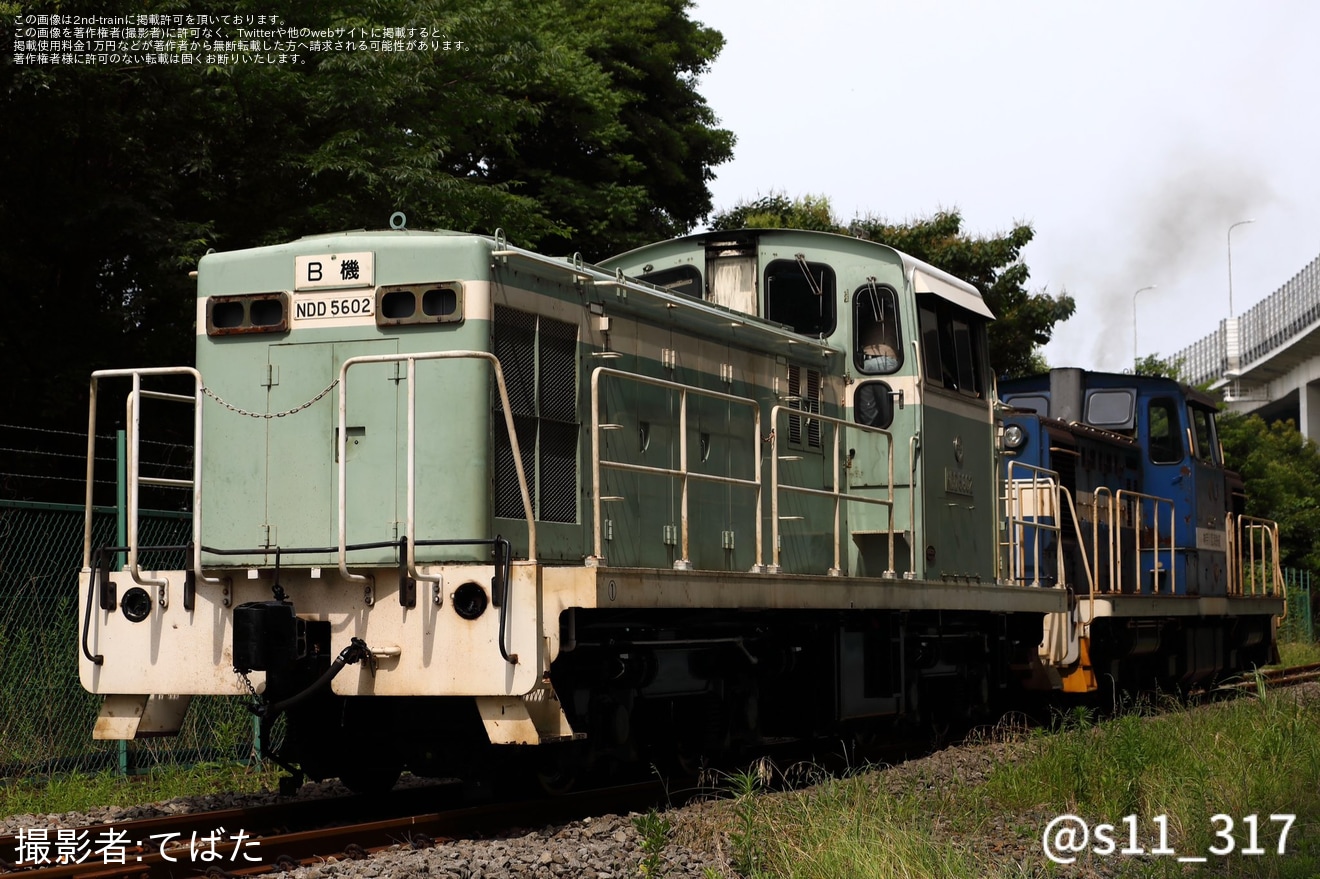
(1230, 261)
(1134, 324)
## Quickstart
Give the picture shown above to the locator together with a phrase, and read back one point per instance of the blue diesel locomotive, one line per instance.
(1116, 485)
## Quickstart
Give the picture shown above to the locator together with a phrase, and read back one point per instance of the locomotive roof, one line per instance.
(925, 278)
(710, 318)
(1041, 382)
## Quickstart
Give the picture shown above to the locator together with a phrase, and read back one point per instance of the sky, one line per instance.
(1130, 135)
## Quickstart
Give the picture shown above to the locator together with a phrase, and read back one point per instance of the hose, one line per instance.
(354, 653)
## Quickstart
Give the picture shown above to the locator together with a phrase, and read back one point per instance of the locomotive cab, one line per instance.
(914, 364)
(1167, 485)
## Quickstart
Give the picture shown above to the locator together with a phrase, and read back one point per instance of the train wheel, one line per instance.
(559, 767)
(370, 779)
(557, 781)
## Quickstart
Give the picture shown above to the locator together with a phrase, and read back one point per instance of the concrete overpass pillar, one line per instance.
(1308, 420)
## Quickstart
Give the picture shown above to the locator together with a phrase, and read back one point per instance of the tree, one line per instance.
(1282, 475)
(1024, 320)
(777, 211)
(644, 176)
(1154, 365)
(571, 125)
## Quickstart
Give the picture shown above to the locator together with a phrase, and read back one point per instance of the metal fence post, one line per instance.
(121, 538)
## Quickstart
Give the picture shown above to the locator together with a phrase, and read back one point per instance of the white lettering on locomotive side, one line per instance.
(331, 271)
(333, 306)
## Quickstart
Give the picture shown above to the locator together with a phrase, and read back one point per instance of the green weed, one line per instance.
(654, 830)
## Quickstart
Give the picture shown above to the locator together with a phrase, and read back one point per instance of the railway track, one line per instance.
(1280, 677)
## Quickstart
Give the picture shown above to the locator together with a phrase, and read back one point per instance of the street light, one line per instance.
(1230, 261)
(1134, 325)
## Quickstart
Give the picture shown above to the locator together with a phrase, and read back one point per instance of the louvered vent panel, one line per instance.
(559, 460)
(811, 403)
(804, 395)
(539, 359)
(515, 346)
(558, 370)
(559, 430)
(508, 497)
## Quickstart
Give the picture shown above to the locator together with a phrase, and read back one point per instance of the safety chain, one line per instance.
(247, 682)
(294, 411)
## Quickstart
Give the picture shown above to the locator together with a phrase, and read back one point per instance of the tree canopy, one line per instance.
(1160, 367)
(574, 126)
(1025, 319)
(1282, 475)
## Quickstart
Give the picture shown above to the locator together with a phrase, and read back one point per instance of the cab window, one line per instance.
(1203, 434)
(800, 294)
(1165, 433)
(1111, 409)
(876, 347)
(1037, 403)
(953, 342)
(679, 279)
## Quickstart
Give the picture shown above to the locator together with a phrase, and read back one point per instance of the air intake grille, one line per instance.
(539, 359)
(804, 394)
(515, 346)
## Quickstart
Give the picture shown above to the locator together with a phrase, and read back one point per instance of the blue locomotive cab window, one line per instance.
(876, 347)
(680, 279)
(800, 294)
(1203, 434)
(1037, 403)
(1113, 410)
(1165, 434)
(952, 345)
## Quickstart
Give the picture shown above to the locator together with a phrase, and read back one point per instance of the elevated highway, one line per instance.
(1268, 360)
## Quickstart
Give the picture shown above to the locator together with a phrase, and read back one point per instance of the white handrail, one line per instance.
(133, 411)
(682, 472)
(1041, 482)
(839, 496)
(411, 360)
(1261, 537)
(1138, 520)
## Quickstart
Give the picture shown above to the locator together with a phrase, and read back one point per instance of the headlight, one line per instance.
(1014, 437)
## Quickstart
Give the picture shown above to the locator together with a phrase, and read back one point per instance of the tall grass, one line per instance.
(843, 828)
(1251, 756)
(78, 792)
(1298, 653)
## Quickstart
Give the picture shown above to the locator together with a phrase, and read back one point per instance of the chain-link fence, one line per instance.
(1299, 624)
(46, 717)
